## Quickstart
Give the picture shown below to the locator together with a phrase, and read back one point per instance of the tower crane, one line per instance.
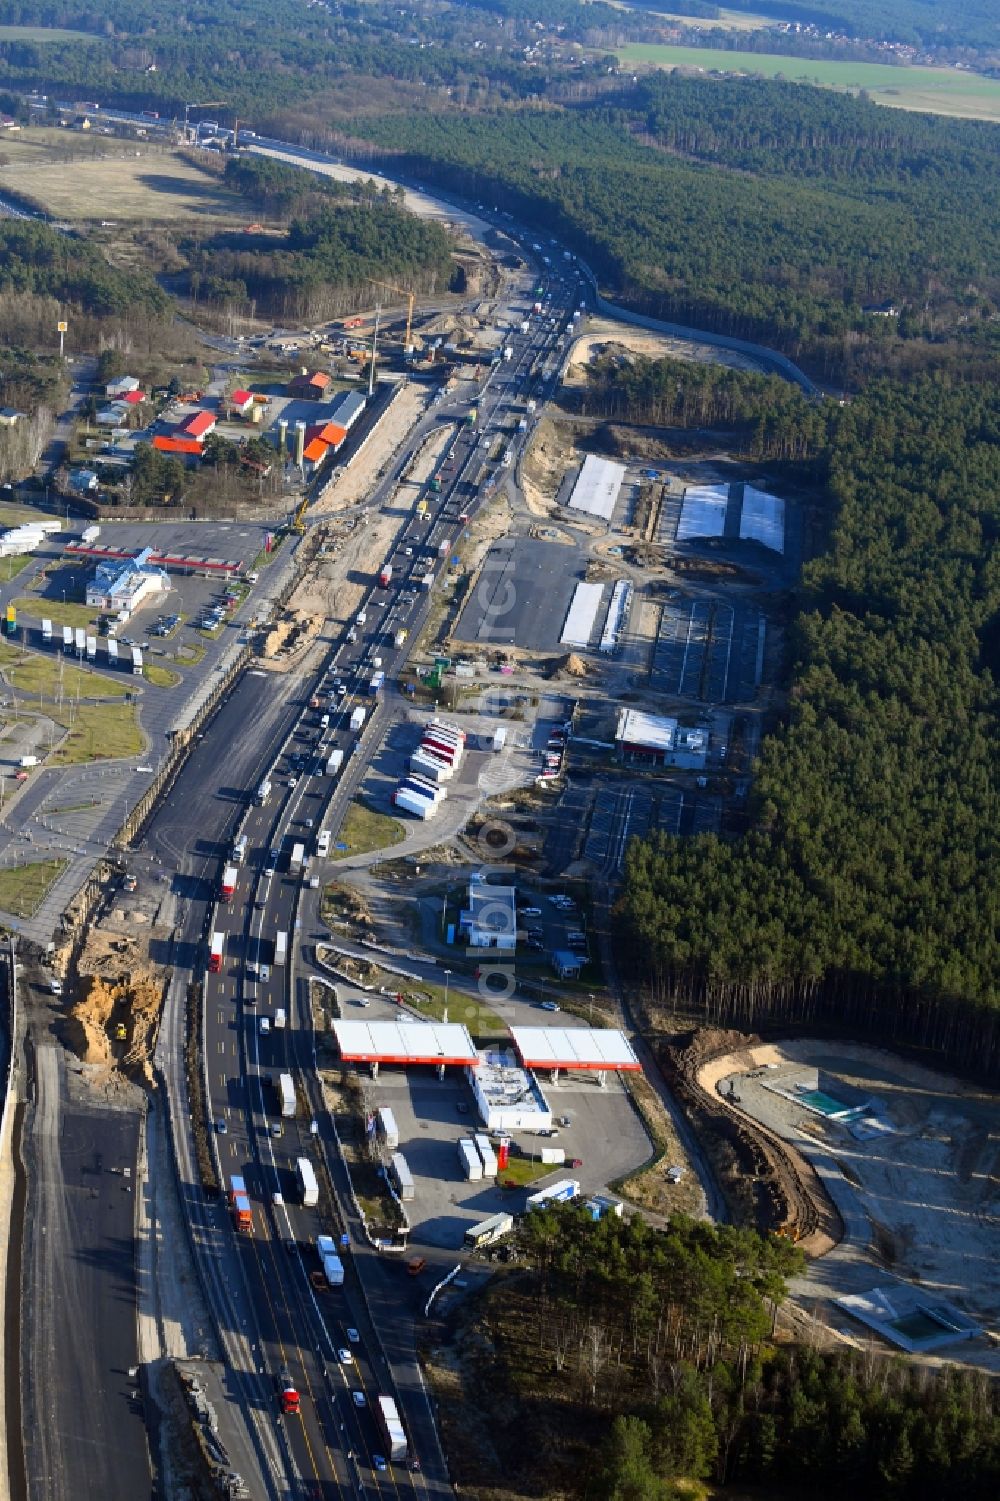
(410, 300)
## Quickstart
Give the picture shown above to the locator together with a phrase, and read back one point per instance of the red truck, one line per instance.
(385, 576)
(239, 1201)
(215, 953)
(228, 887)
(288, 1397)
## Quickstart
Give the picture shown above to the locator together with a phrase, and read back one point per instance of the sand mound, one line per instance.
(109, 1008)
(572, 665)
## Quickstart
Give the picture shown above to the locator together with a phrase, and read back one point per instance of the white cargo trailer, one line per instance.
(410, 802)
(426, 764)
(487, 1156)
(80, 640)
(308, 1187)
(333, 1270)
(562, 1192)
(402, 1176)
(335, 762)
(286, 1088)
(357, 719)
(112, 653)
(488, 1231)
(387, 1128)
(469, 1161)
(91, 648)
(46, 630)
(391, 1429)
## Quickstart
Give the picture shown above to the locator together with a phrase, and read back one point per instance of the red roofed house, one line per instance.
(241, 403)
(199, 425)
(175, 443)
(133, 398)
(313, 386)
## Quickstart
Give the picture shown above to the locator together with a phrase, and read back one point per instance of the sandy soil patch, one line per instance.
(606, 337)
(352, 485)
(116, 1011)
(931, 1189)
(543, 468)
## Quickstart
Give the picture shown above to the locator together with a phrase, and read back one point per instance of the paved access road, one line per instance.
(81, 1416)
(336, 1439)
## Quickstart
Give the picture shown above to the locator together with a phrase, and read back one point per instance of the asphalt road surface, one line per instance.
(83, 1427)
(260, 1283)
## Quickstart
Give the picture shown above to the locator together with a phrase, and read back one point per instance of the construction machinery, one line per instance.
(410, 300)
(204, 104)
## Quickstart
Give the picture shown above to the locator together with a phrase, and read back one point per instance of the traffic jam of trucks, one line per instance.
(343, 707)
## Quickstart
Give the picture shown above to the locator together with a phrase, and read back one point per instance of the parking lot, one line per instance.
(522, 595)
(432, 1115)
(708, 649)
(627, 813)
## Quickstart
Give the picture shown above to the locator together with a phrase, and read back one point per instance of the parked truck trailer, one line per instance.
(469, 1161)
(387, 1129)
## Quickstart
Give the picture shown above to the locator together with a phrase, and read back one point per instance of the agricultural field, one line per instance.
(726, 20)
(939, 91)
(78, 177)
(45, 34)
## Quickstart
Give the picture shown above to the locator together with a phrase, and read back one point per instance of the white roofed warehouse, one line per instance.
(660, 740)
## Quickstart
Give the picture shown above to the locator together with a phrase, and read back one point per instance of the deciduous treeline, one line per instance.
(628, 1362)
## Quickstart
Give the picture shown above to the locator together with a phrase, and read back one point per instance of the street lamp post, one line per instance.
(447, 977)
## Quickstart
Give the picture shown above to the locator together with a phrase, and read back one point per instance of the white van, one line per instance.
(279, 1018)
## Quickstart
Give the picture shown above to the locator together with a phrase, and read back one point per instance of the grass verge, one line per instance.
(648, 1185)
(191, 653)
(59, 611)
(11, 567)
(22, 889)
(100, 732)
(160, 677)
(30, 672)
(364, 830)
(520, 1171)
(480, 1020)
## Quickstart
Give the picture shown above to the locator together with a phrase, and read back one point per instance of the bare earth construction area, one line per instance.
(911, 1159)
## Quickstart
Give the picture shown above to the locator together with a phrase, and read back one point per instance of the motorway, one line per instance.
(272, 729)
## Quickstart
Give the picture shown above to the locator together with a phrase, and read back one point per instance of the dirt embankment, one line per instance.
(766, 1183)
(115, 1013)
